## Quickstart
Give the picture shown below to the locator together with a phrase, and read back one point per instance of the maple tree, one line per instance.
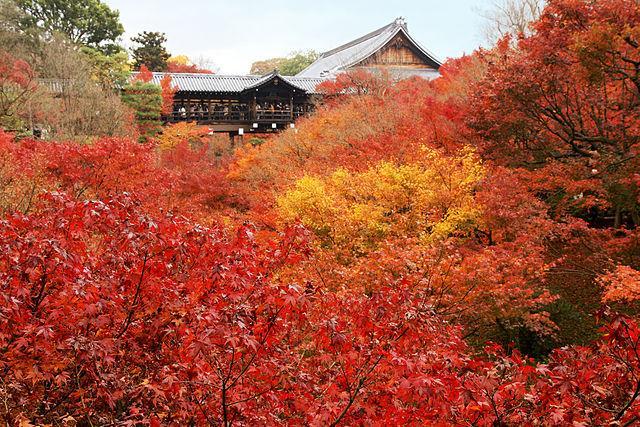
(174, 134)
(356, 82)
(187, 179)
(145, 75)
(167, 93)
(559, 106)
(94, 312)
(568, 94)
(119, 317)
(17, 85)
(393, 224)
(623, 283)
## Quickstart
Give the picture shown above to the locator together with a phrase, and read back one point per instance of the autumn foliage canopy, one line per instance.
(462, 251)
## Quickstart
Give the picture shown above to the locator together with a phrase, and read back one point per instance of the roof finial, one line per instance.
(401, 22)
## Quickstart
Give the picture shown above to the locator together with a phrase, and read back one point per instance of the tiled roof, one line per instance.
(339, 59)
(188, 82)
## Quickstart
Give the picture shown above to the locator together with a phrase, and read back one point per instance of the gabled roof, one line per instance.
(274, 75)
(220, 83)
(349, 54)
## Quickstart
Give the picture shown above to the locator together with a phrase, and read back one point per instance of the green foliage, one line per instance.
(88, 22)
(76, 98)
(265, 66)
(289, 66)
(297, 62)
(13, 37)
(110, 71)
(255, 141)
(151, 51)
(146, 101)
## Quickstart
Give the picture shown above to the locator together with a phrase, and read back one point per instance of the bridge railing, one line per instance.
(273, 115)
(212, 116)
(234, 116)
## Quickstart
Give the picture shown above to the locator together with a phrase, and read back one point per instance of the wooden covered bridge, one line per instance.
(230, 103)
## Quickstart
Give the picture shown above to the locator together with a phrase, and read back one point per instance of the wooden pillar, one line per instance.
(252, 107)
(232, 139)
(209, 105)
(188, 107)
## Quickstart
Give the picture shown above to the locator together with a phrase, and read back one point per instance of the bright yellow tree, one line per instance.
(430, 199)
(180, 59)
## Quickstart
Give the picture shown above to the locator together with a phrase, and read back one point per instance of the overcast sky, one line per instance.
(234, 33)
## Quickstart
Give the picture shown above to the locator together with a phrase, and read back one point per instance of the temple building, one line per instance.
(249, 103)
(389, 49)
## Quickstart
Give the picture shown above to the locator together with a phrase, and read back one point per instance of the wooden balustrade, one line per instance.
(234, 116)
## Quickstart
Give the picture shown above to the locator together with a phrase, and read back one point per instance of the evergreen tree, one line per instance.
(151, 51)
(145, 99)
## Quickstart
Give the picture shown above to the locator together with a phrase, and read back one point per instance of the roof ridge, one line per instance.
(217, 76)
(359, 40)
(303, 77)
(205, 75)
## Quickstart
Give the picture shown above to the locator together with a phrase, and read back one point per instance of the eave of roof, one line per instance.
(436, 62)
